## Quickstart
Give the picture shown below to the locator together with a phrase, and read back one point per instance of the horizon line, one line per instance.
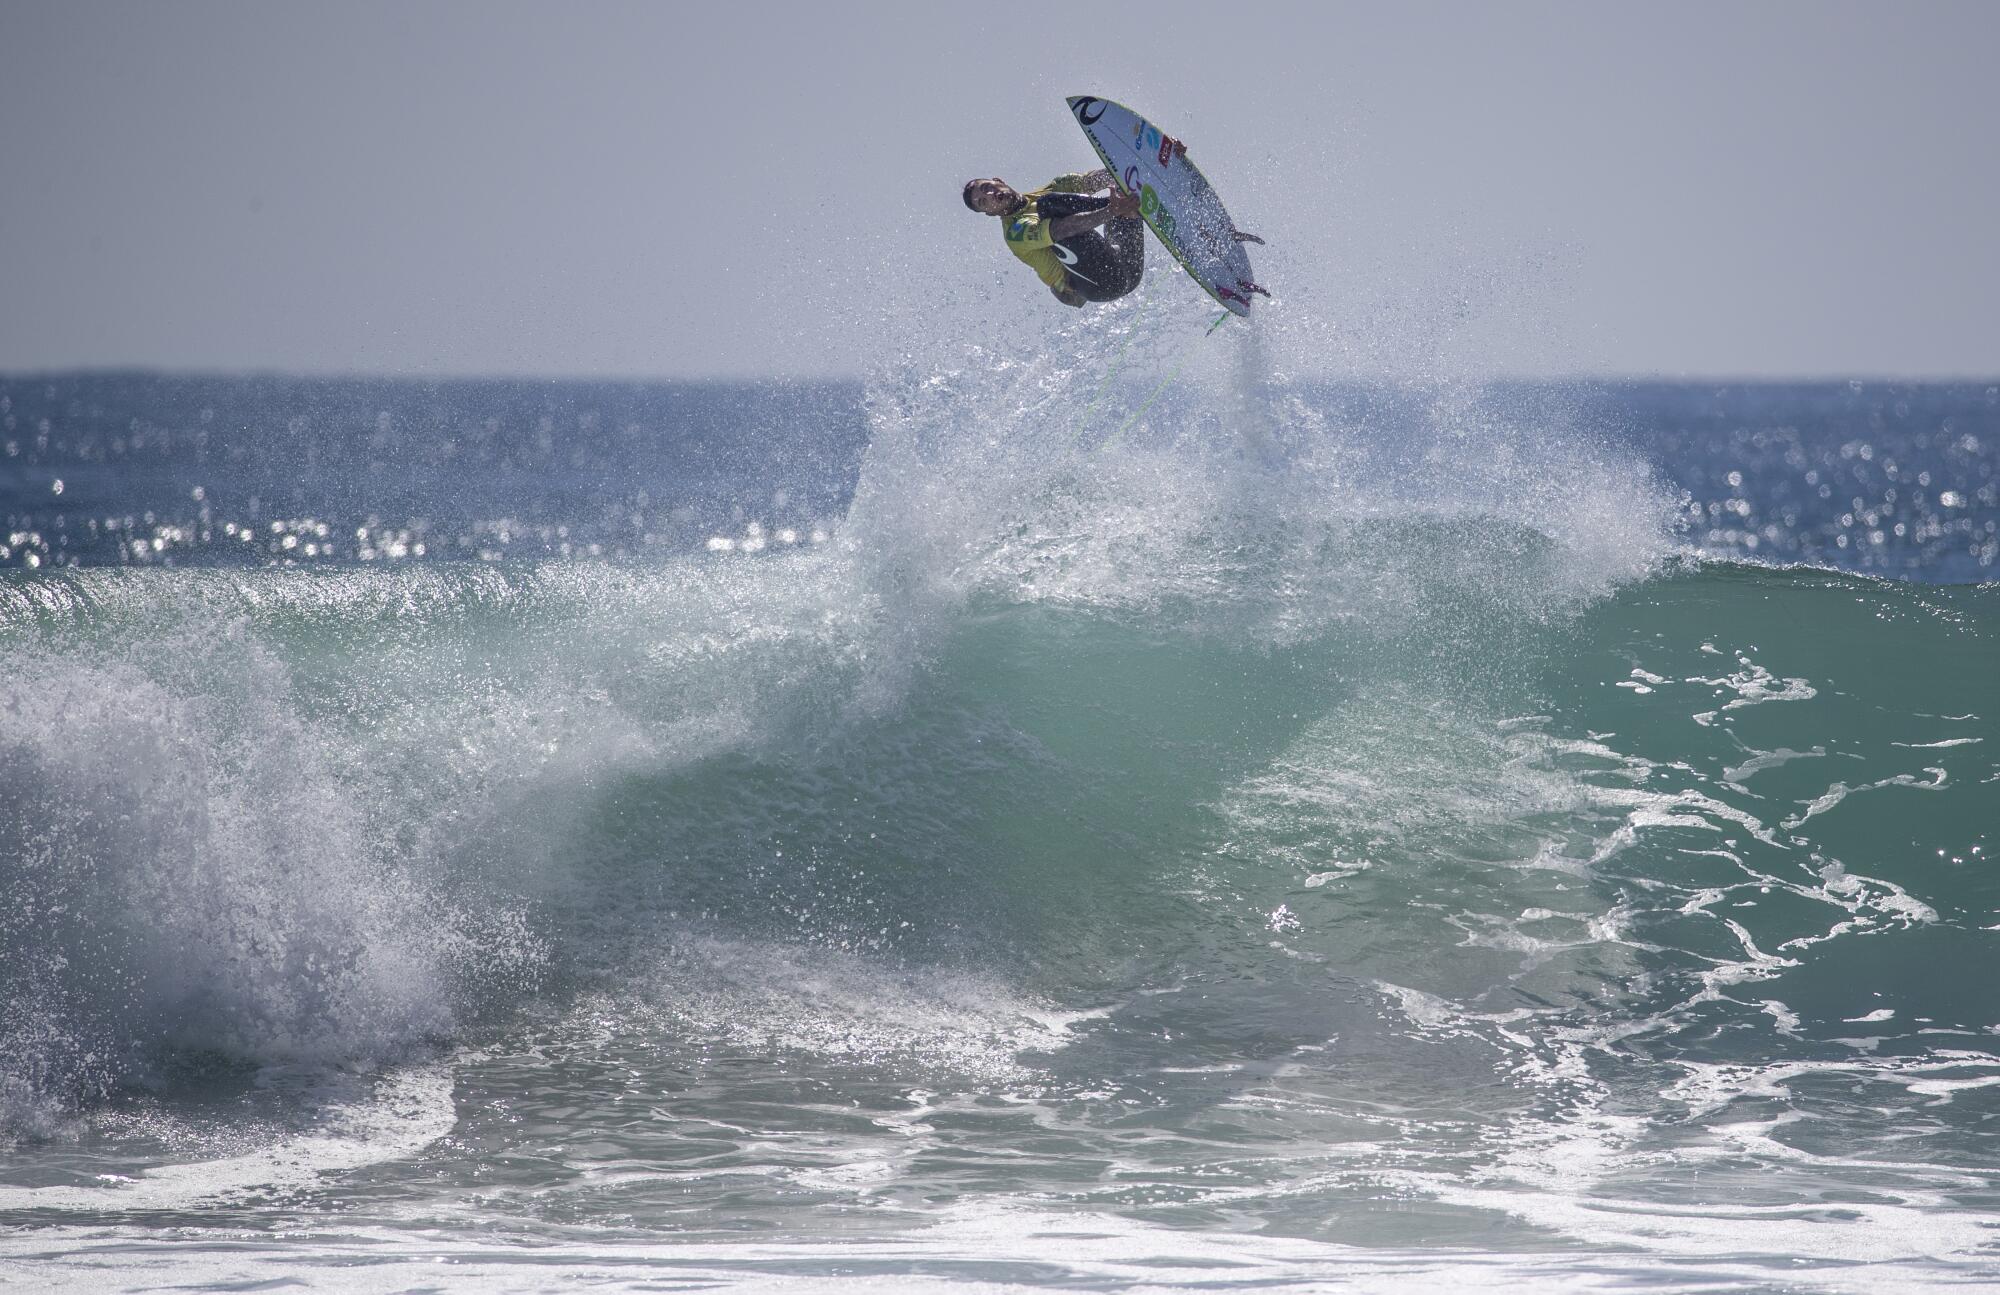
(833, 379)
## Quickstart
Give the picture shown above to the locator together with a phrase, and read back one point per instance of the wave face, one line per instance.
(1316, 841)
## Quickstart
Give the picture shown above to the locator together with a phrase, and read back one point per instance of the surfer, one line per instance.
(1055, 230)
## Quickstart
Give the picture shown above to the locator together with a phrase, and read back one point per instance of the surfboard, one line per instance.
(1174, 197)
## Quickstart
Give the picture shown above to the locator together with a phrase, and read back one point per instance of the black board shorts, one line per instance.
(1104, 266)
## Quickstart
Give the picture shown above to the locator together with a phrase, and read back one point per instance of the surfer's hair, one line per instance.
(968, 195)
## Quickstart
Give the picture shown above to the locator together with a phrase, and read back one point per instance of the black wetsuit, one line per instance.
(1099, 266)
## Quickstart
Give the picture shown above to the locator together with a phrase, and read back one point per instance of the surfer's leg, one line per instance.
(1104, 267)
(1095, 269)
(1128, 249)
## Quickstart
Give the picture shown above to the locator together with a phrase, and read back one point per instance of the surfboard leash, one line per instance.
(1117, 363)
(1173, 373)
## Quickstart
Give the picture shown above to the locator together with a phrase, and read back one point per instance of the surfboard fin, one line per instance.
(1242, 237)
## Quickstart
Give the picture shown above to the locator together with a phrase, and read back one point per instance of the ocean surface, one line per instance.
(1000, 824)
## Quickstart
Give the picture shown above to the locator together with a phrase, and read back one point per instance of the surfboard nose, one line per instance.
(1087, 108)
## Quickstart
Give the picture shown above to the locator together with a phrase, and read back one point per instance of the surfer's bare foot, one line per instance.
(1242, 237)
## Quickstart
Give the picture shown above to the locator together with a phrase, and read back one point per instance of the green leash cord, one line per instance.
(1117, 363)
(1175, 372)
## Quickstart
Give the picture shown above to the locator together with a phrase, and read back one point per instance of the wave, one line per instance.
(1075, 703)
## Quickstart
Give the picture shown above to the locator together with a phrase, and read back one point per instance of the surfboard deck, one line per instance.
(1175, 198)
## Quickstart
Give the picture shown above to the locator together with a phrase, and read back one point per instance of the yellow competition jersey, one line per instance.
(1028, 234)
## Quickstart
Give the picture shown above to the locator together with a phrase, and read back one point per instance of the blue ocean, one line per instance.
(1008, 822)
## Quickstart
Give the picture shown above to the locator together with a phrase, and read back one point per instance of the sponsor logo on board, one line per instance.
(1088, 108)
(1156, 211)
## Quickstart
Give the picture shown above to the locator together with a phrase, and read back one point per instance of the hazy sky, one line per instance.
(688, 189)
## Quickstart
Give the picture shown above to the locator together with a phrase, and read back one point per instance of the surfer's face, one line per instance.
(994, 197)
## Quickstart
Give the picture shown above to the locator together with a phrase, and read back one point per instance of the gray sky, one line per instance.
(683, 189)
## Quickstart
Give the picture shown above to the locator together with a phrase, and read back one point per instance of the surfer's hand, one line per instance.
(1124, 205)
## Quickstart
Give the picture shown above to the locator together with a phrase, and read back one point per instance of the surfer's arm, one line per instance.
(1080, 217)
(1071, 225)
(1084, 182)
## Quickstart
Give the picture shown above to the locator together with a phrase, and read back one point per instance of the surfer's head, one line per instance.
(993, 197)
